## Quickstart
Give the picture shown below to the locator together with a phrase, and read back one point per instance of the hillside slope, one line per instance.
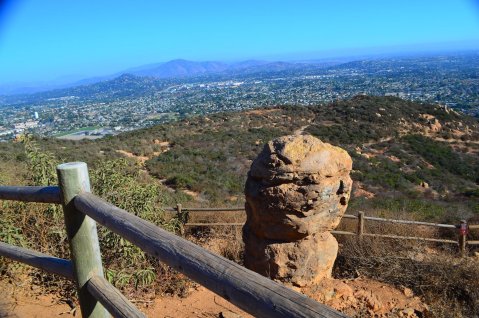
(399, 148)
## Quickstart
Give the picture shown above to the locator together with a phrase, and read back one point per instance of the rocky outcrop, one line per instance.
(296, 192)
(362, 297)
(433, 125)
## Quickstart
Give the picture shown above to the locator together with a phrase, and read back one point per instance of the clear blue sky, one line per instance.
(49, 39)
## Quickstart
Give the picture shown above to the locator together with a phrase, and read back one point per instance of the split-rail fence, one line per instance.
(462, 228)
(255, 294)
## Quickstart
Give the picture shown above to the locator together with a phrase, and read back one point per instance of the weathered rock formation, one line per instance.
(297, 191)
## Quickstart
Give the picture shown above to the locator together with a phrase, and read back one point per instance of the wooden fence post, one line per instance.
(180, 219)
(463, 230)
(360, 229)
(82, 235)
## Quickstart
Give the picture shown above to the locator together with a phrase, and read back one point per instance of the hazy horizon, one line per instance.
(296, 57)
(65, 41)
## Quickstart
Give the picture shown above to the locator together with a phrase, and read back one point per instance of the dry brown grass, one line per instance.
(222, 240)
(448, 283)
(445, 281)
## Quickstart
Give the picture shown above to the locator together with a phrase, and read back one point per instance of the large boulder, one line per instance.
(297, 186)
(296, 192)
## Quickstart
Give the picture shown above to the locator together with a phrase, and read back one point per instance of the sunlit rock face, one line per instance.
(296, 192)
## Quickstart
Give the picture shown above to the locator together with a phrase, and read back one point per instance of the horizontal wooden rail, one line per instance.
(241, 224)
(214, 224)
(205, 209)
(214, 209)
(54, 265)
(473, 226)
(345, 216)
(238, 209)
(31, 194)
(349, 233)
(343, 232)
(116, 304)
(372, 218)
(462, 241)
(397, 237)
(411, 238)
(112, 299)
(246, 289)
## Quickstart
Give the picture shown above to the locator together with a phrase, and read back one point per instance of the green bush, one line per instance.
(440, 154)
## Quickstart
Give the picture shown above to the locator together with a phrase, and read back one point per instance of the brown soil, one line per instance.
(358, 298)
(261, 111)
(328, 123)
(141, 159)
(451, 140)
(194, 195)
(18, 303)
(200, 303)
(367, 298)
(300, 131)
(385, 139)
(360, 191)
(393, 158)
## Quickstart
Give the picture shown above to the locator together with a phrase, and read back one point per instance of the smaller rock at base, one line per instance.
(279, 260)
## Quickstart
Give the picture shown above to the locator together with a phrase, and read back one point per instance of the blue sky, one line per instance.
(44, 40)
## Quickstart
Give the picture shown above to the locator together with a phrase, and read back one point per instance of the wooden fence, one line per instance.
(248, 290)
(462, 229)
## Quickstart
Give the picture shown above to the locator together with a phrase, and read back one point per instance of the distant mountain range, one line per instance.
(183, 68)
(446, 79)
(172, 69)
(178, 68)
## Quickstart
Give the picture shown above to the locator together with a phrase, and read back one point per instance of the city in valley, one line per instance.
(138, 99)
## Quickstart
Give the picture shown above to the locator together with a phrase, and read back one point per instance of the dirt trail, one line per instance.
(381, 140)
(459, 141)
(261, 111)
(300, 130)
(166, 146)
(140, 159)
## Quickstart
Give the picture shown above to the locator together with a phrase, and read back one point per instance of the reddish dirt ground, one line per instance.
(364, 297)
(18, 303)
(357, 298)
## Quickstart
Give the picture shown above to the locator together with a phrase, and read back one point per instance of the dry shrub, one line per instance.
(223, 240)
(217, 217)
(446, 282)
(41, 227)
